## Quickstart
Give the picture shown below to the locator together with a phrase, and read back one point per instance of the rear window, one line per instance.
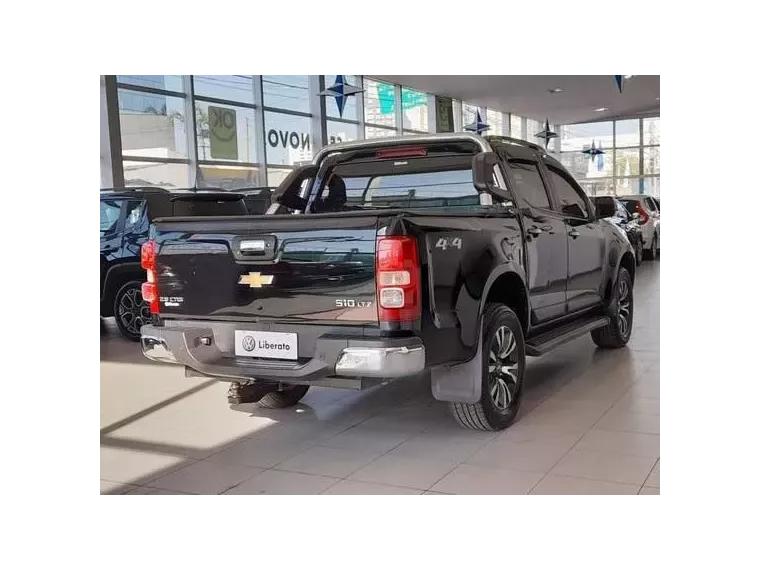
(630, 205)
(197, 206)
(430, 182)
(426, 189)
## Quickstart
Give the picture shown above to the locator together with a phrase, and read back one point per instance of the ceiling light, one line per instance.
(627, 76)
(556, 90)
(600, 109)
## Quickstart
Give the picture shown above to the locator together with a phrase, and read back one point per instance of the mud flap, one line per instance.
(460, 382)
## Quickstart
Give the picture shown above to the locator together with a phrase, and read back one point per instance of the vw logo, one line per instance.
(249, 343)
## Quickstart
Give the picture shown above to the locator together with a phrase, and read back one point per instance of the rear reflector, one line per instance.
(401, 152)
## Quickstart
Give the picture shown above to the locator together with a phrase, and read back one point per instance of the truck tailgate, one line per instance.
(300, 268)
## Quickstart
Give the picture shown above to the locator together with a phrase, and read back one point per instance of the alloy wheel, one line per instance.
(133, 311)
(503, 368)
(624, 307)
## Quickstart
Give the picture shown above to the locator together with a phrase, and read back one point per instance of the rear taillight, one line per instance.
(643, 216)
(398, 280)
(148, 262)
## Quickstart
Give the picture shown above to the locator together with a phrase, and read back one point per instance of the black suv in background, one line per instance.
(125, 219)
(629, 223)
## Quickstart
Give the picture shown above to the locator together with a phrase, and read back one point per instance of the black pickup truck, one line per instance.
(451, 254)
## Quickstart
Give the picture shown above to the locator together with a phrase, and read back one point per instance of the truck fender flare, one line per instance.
(115, 275)
(472, 326)
(463, 382)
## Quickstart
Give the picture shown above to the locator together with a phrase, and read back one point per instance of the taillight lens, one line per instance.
(398, 279)
(149, 289)
(644, 217)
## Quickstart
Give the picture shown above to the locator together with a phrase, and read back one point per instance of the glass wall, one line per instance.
(630, 163)
(242, 131)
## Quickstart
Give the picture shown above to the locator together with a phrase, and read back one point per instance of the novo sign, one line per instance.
(299, 141)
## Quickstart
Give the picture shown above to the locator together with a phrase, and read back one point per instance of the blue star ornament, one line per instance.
(547, 134)
(341, 90)
(593, 151)
(478, 126)
(619, 82)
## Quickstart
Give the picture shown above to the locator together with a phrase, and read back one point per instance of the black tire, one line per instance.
(618, 332)
(496, 411)
(130, 310)
(639, 251)
(285, 398)
(651, 253)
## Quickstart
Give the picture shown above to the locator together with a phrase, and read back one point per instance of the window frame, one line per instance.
(562, 173)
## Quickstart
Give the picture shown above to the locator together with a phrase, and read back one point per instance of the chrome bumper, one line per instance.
(155, 348)
(205, 348)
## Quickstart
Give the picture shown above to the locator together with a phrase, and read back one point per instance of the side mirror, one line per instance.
(605, 206)
(288, 190)
(483, 165)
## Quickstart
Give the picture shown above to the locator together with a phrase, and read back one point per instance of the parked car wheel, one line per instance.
(130, 310)
(503, 354)
(285, 398)
(639, 251)
(618, 332)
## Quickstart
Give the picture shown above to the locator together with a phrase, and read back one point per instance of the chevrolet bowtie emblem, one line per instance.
(256, 280)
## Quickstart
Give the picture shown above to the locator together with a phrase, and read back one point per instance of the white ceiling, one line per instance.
(529, 96)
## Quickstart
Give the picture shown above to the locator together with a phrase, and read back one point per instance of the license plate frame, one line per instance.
(267, 345)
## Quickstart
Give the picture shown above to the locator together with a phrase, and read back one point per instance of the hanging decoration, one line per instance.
(593, 152)
(341, 90)
(478, 126)
(547, 134)
(619, 82)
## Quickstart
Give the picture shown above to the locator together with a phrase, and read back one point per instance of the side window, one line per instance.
(528, 184)
(650, 204)
(571, 202)
(109, 216)
(134, 212)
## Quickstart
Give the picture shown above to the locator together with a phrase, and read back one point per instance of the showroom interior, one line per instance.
(589, 421)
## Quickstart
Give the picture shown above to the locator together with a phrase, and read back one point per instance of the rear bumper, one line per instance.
(205, 348)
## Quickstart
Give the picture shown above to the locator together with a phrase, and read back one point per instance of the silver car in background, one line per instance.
(648, 209)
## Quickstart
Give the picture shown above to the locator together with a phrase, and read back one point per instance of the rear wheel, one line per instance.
(285, 398)
(130, 310)
(502, 372)
(618, 332)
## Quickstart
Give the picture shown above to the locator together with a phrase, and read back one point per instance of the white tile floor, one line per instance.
(589, 425)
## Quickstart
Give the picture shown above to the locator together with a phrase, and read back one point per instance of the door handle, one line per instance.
(573, 233)
(548, 228)
(534, 230)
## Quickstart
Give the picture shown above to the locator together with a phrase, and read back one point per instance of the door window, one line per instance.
(622, 213)
(134, 212)
(571, 202)
(109, 216)
(528, 184)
